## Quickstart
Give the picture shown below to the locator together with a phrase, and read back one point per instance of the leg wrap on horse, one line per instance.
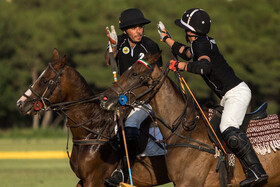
(240, 145)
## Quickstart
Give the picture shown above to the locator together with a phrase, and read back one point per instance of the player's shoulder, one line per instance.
(203, 41)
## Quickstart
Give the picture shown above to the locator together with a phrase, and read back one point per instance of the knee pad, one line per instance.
(132, 135)
(237, 141)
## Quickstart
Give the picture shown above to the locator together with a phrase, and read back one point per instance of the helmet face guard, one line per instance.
(132, 17)
(195, 20)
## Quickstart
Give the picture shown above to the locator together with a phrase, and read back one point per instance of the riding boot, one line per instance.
(240, 145)
(133, 146)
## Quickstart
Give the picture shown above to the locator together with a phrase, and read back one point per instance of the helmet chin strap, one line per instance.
(131, 40)
(187, 37)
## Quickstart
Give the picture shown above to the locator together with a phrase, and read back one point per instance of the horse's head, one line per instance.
(135, 83)
(45, 90)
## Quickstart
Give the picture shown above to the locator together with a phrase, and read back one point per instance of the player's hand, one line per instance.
(112, 35)
(173, 65)
(163, 33)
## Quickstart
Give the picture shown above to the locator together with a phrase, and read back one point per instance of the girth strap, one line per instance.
(203, 147)
(89, 141)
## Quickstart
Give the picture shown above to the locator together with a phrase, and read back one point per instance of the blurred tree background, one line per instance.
(245, 31)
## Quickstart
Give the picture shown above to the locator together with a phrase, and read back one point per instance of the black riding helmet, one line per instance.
(131, 17)
(195, 20)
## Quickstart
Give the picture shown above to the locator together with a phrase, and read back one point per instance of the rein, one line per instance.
(65, 105)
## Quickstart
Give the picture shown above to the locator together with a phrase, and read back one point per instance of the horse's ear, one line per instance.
(63, 60)
(61, 63)
(55, 55)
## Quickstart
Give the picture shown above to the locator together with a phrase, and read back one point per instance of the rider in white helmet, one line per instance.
(234, 93)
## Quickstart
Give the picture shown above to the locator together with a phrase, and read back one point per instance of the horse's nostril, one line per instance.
(105, 98)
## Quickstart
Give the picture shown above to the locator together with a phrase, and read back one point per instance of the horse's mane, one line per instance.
(76, 75)
(152, 58)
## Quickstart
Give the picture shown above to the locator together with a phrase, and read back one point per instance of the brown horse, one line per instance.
(61, 88)
(188, 162)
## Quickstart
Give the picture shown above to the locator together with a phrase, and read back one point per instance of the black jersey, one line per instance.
(127, 56)
(221, 76)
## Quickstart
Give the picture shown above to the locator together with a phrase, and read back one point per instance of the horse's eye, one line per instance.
(134, 74)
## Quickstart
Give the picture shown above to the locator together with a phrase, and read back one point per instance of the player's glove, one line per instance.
(112, 35)
(173, 65)
(163, 33)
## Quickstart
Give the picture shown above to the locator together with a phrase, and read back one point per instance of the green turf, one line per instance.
(37, 173)
(41, 173)
(24, 144)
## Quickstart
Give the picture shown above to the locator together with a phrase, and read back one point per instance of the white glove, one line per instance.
(163, 33)
(112, 35)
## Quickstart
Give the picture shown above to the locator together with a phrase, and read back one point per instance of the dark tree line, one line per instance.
(246, 32)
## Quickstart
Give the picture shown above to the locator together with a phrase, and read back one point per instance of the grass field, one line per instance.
(36, 172)
(33, 173)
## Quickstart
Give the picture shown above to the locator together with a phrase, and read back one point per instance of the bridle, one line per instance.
(42, 102)
(152, 90)
(144, 79)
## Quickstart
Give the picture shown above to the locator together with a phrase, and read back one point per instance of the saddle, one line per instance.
(260, 113)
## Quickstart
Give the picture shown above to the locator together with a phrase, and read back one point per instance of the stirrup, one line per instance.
(116, 178)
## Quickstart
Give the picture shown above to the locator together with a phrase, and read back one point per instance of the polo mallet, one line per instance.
(206, 119)
(182, 80)
(126, 152)
(111, 53)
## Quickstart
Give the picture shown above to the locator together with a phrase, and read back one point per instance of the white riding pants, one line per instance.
(137, 116)
(235, 103)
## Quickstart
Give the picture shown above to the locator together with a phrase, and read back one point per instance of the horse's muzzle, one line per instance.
(25, 107)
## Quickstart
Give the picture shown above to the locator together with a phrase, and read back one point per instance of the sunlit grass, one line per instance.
(34, 172)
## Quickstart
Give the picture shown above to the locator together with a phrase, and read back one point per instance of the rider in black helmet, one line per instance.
(128, 48)
(131, 17)
(132, 44)
(234, 93)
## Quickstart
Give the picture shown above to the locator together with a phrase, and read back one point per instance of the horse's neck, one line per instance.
(169, 105)
(77, 86)
(81, 113)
